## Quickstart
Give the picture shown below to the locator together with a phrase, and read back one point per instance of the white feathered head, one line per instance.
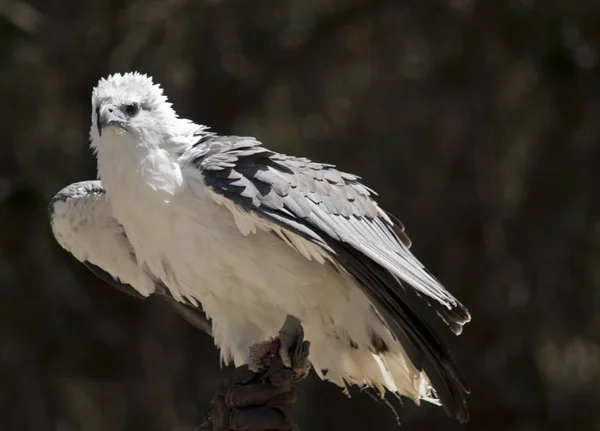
(130, 105)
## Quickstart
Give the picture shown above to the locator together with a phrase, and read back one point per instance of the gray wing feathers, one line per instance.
(317, 194)
(333, 210)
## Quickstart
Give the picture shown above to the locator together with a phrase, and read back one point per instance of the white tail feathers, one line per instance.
(344, 365)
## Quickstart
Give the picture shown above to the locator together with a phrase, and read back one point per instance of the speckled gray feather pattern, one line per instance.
(294, 191)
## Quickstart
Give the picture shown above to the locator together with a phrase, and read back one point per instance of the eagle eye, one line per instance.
(132, 109)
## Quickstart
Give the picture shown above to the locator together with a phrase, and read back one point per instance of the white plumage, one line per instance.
(251, 236)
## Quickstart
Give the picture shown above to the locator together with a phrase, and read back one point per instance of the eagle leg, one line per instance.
(289, 346)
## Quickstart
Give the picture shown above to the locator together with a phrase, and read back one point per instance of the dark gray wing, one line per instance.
(335, 211)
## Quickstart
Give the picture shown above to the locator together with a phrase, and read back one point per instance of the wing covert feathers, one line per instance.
(333, 210)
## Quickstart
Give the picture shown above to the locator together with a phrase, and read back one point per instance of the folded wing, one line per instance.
(333, 210)
(82, 223)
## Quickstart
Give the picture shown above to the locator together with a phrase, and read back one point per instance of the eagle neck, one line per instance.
(131, 173)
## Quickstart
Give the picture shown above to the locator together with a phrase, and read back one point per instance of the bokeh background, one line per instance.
(477, 122)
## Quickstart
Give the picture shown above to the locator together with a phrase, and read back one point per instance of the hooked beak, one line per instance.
(108, 115)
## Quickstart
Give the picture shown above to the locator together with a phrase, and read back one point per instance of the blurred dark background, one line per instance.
(477, 122)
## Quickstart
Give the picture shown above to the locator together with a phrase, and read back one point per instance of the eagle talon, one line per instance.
(261, 355)
(289, 346)
(284, 352)
(294, 350)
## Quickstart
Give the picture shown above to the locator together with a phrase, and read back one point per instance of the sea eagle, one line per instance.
(222, 225)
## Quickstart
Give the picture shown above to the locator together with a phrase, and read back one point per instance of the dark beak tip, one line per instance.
(98, 124)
